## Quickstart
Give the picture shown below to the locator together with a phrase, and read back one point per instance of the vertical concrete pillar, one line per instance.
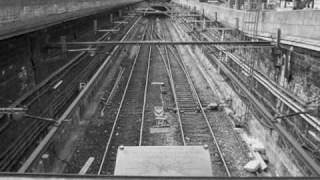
(230, 3)
(36, 56)
(204, 20)
(95, 26)
(111, 18)
(294, 3)
(120, 13)
(237, 4)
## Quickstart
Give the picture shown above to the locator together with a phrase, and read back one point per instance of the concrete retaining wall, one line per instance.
(298, 26)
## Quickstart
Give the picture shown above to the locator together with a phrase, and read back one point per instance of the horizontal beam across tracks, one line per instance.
(226, 43)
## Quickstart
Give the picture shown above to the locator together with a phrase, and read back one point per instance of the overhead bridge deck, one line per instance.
(23, 25)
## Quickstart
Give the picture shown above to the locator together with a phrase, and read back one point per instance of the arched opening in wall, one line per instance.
(160, 8)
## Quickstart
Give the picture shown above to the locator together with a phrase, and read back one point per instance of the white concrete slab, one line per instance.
(163, 161)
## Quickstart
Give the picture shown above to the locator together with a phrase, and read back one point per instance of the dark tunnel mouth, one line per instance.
(160, 8)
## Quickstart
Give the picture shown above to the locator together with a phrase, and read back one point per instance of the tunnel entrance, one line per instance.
(160, 8)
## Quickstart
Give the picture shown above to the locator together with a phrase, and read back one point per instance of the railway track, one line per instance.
(127, 125)
(194, 124)
(76, 71)
(159, 94)
(128, 107)
(66, 114)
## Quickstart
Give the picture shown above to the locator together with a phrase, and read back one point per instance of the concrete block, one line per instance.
(213, 106)
(163, 161)
(257, 146)
(252, 166)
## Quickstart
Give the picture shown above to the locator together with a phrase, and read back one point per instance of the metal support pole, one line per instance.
(215, 16)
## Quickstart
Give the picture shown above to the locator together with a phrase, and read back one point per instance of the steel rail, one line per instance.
(174, 96)
(183, 66)
(113, 90)
(309, 161)
(225, 43)
(119, 109)
(145, 94)
(44, 143)
(178, 57)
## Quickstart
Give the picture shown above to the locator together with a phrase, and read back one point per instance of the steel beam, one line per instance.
(80, 50)
(129, 16)
(225, 43)
(221, 29)
(120, 22)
